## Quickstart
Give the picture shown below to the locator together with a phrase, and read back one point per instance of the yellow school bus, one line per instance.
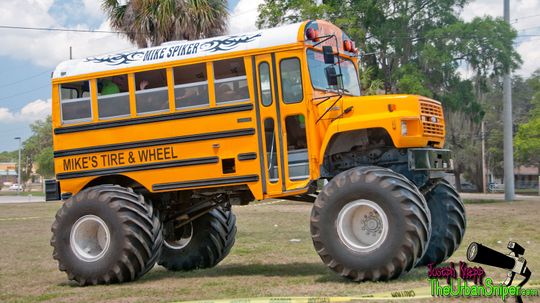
(153, 146)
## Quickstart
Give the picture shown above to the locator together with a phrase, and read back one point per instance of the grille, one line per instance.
(432, 119)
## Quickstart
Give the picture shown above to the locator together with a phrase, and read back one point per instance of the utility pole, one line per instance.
(508, 129)
(484, 183)
(19, 167)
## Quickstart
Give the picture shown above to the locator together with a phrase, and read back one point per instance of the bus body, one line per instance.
(153, 146)
(213, 141)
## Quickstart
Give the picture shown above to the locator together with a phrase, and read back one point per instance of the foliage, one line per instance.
(8, 156)
(152, 22)
(527, 140)
(38, 149)
(418, 47)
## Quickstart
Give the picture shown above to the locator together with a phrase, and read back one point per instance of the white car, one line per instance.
(15, 187)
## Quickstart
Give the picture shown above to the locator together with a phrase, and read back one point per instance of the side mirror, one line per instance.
(331, 75)
(328, 54)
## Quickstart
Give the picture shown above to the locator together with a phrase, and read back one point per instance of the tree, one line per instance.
(527, 140)
(417, 46)
(152, 22)
(38, 149)
(8, 156)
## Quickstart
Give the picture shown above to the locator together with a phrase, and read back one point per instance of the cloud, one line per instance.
(524, 18)
(93, 8)
(244, 16)
(530, 54)
(33, 111)
(48, 48)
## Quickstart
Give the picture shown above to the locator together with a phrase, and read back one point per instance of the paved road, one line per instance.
(21, 199)
(468, 196)
(497, 196)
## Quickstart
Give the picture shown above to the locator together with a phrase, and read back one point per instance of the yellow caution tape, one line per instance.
(399, 295)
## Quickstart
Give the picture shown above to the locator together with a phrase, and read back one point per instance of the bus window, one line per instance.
(266, 88)
(190, 86)
(297, 153)
(271, 150)
(291, 80)
(75, 102)
(113, 97)
(151, 93)
(230, 81)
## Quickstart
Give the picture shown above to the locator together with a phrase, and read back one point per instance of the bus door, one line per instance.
(292, 111)
(282, 123)
(269, 138)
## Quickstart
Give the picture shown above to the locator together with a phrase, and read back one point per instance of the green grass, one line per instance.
(262, 263)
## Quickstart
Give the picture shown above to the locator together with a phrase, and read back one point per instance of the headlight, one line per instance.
(404, 130)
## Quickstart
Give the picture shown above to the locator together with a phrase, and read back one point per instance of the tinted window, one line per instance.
(266, 87)
(271, 150)
(297, 153)
(291, 80)
(113, 97)
(317, 74)
(151, 93)
(191, 86)
(230, 81)
(75, 104)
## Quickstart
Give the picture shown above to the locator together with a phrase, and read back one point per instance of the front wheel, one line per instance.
(106, 234)
(370, 223)
(448, 222)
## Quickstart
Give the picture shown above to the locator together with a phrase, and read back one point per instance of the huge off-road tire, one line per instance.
(370, 223)
(448, 222)
(106, 234)
(203, 243)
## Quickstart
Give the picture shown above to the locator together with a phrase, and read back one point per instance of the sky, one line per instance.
(28, 57)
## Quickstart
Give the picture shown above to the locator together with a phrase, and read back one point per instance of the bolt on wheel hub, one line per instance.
(362, 225)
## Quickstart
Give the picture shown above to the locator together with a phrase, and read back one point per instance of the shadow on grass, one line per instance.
(324, 274)
(256, 269)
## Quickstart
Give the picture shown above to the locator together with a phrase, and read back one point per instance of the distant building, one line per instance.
(526, 177)
(8, 172)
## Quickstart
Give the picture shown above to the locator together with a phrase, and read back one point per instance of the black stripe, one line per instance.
(247, 156)
(207, 182)
(147, 143)
(242, 120)
(160, 118)
(258, 117)
(131, 168)
(280, 127)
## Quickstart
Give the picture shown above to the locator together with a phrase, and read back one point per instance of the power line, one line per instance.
(25, 92)
(54, 29)
(24, 79)
(525, 17)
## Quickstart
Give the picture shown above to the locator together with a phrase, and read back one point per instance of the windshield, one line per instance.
(318, 76)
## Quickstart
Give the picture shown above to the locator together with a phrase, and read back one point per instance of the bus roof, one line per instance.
(179, 50)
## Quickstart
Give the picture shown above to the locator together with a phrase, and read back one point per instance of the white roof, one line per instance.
(178, 50)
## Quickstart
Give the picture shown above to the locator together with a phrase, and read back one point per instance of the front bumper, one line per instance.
(52, 190)
(430, 159)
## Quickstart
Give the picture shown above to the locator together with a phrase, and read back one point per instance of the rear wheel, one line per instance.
(106, 234)
(370, 223)
(203, 243)
(448, 222)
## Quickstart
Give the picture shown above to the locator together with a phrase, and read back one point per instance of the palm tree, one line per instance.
(152, 22)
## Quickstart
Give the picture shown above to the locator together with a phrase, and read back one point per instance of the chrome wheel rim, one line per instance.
(185, 238)
(362, 225)
(90, 238)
